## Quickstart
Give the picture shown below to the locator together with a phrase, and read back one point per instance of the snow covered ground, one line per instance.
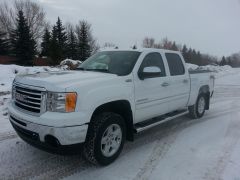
(206, 148)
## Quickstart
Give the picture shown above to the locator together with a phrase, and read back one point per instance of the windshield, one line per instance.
(115, 62)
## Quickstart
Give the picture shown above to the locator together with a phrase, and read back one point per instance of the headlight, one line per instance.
(61, 102)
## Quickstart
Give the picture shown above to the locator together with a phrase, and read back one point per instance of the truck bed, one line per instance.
(197, 71)
(200, 78)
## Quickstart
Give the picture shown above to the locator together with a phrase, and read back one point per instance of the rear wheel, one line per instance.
(105, 138)
(198, 109)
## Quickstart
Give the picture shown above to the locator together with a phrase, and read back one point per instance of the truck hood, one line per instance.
(60, 80)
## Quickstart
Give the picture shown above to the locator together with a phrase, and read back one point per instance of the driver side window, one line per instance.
(153, 59)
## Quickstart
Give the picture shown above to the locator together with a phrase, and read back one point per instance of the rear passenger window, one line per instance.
(175, 64)
(153, 59)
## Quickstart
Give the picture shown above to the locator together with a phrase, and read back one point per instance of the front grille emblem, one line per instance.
(21, 97)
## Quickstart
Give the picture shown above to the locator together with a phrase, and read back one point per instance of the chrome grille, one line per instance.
(29, 98)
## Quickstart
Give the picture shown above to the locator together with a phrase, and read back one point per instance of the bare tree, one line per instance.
(166, 43)
(148, 42)
(94, 46)
(32, 11)
(109, 45)
(158, 45)
(7, 18)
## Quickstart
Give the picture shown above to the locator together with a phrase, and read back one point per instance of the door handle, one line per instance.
(185, 81)
(165, 84)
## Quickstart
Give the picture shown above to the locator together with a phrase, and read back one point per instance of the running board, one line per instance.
(159, 120)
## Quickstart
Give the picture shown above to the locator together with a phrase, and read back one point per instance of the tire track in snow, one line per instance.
(22, 161)
(8, 135)
(71, 167)
(3, 93)
(163, 145)
(233, 137)
(54, 168)
(159, 150)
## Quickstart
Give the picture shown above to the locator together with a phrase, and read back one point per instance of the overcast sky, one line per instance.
(211, 26)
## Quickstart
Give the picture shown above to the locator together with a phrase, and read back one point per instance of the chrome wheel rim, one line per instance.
(111, 140)
(201, 105)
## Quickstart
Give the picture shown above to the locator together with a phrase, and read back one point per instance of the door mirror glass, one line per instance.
(150, 72)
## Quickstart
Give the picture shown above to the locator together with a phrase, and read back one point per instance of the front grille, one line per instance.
(28, 99)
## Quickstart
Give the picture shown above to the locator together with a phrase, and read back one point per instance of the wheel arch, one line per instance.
(121, 107)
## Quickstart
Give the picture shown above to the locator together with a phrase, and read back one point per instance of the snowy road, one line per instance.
(207, 148)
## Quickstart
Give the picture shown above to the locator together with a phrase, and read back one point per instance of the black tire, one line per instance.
(193, 110)
(92, 148)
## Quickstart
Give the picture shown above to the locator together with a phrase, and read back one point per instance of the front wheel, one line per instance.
(198, 109)
(105, 138)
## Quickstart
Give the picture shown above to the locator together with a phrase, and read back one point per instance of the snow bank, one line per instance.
(71, 64)
(216, 69)
(8, 73)
(219, 70)
(74, 62)
(191, 66)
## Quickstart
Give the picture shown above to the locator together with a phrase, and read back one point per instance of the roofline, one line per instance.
(142, 50)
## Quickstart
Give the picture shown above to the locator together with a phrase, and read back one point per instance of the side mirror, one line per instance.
(149, 72)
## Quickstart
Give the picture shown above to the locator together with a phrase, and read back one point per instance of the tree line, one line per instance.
(191, 55)
(68, 42)
(25, 34)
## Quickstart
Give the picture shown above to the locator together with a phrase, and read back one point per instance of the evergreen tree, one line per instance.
(22, 41)
(46, 40)
(72, 45)
(223, 61)
(174, 46)
(184, 52)
(199, 58)
(4, 44)
(58, 44)
(55, 51)
(189, 56)
(134, 46)
(84, 47)
(61, 37)
(194, 57)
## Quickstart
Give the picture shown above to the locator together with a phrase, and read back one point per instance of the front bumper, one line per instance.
(65, 135)
(33, 139)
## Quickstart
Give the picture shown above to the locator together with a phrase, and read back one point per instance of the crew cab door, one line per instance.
(151, 94)
(179, 82)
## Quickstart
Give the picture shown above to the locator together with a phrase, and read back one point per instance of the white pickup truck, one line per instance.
(109, 98)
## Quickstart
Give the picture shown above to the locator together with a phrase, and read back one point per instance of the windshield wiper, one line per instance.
(80, 68)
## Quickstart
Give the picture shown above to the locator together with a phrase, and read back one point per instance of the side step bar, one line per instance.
(159, 120)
